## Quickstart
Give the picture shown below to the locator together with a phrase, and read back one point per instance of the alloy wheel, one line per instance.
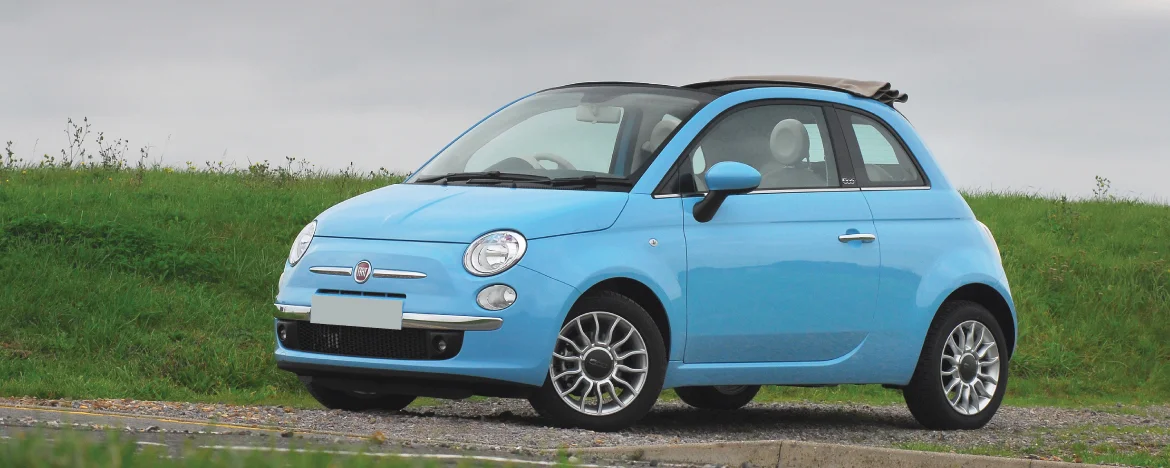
(600, 363)
(970, 367)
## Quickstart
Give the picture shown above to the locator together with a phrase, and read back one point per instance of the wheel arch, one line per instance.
(990, 298)
(642, 294)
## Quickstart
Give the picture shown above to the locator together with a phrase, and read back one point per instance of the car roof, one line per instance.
(880, 91)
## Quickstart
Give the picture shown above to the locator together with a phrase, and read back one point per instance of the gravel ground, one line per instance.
(499, 424)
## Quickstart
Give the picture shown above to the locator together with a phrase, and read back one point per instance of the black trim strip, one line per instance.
(841, 153)
(406, 382)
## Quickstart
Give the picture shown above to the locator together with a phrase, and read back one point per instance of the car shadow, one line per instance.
(671, 418)
(758, 417)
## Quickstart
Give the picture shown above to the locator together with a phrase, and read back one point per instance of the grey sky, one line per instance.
(1036, 96)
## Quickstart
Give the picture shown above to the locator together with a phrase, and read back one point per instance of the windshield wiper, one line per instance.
(492, 175)
(497, 177)
(591, 181)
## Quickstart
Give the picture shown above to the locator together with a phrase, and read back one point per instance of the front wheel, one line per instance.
(719, 397)
(607, 366)
(963, 370)
(357, 401)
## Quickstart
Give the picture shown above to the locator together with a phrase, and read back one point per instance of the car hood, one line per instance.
(458, 213)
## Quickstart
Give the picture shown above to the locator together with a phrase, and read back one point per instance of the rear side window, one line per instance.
(880, 158)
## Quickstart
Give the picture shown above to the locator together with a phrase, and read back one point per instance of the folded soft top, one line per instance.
(880, 91)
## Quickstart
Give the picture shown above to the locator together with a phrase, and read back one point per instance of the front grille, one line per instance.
(342, 292)
(370, 342)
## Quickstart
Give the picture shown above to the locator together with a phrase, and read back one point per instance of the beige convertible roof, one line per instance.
(877, 90)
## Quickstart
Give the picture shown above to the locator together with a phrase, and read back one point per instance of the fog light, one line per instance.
(440, 344)
(496, 297)
(282, 332)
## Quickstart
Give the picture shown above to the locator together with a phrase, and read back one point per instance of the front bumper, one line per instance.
(409, 320)
(512, 346)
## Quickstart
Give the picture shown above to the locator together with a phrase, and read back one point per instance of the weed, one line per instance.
(1064, 219)
(112, 154)
(1101, 191)
(10, 161)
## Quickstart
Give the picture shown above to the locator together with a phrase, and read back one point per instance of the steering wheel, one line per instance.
(535, 160)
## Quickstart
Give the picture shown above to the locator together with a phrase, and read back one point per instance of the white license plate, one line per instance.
(356, 311)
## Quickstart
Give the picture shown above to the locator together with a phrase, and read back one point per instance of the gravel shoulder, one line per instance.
(511, 425)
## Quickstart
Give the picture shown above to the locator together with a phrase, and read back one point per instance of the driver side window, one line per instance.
(788, 144)
(557, 132)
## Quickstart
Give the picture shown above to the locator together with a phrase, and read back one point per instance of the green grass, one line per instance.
(76, 450)
(159, 285)
(1069, 445)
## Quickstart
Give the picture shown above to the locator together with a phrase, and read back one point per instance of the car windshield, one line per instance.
(580, 137)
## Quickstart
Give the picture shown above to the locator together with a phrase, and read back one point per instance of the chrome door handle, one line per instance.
(867, 238)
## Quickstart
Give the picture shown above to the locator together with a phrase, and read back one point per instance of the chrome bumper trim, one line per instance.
(402, 274)
(377, 273)
(291, 312)
(409, 320)
(339, 271)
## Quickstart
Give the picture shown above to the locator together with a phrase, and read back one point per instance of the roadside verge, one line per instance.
(790, 453)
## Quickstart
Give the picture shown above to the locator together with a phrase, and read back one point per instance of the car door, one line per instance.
(787, 272)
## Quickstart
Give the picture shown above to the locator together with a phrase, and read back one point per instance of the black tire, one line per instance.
(718, 398)
(925, 395)
(355, 401)
(548, 403)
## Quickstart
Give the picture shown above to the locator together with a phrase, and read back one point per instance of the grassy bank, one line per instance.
(69, 449)
(157, 284)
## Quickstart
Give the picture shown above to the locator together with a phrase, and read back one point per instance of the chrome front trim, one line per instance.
(402, 274)
(451, 322)
(339, 271)
(347, 271)
(409, 320)
(291, 312)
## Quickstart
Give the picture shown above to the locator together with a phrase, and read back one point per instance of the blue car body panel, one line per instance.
(778, 255)
(764, 293)
(416, 212)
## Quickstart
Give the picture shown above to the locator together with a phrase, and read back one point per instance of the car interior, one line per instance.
(787, 144)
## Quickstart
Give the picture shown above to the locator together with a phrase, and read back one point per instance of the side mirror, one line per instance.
(723, 179)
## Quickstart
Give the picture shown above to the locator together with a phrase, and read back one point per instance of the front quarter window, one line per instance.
(578, 133)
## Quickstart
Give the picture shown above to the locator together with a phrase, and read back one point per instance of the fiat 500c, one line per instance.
(587, 246)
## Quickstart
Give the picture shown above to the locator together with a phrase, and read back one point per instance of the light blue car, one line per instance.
(587, 246)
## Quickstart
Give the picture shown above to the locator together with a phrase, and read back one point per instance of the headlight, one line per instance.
(301, 244)
(494, 252)
(987, 232)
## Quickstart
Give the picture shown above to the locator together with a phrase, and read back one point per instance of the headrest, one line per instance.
(789, 142)
(661, 130)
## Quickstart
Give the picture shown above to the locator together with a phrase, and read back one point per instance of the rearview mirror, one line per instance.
(599, 114)
(723, 179)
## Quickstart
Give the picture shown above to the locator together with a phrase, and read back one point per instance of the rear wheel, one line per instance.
(607, 366)
(719, 397)
(963, 370)
(357, 401)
